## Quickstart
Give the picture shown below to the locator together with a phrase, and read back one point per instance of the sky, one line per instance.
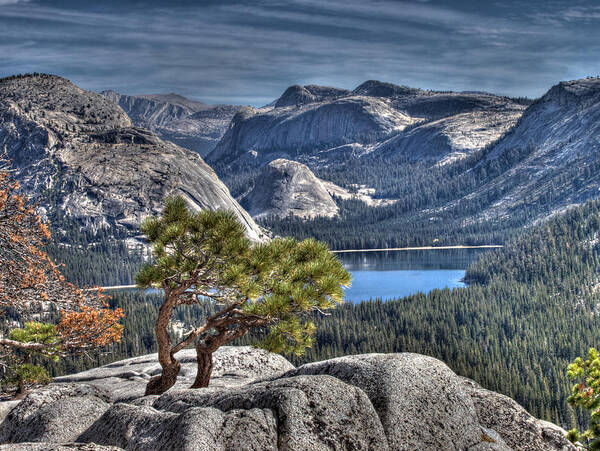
(249, 52)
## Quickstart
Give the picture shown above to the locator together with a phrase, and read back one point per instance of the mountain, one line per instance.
(459, 167)
(299, 95)
(428, 166)
(548, 162)
(321, 125)
(194, 125)
(79, 153)
(558, 143)
(288, 187)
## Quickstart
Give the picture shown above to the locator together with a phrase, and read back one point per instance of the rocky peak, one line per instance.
(327, 92)
(299, 95)
(112, 95)
(295, 95)
(57, 103)
(308, 128)
(244, 113)
(556, 140)
(375, 88)
(176, 99)
(319, 125)
(287, 187)
(574, 92)
(150, 109)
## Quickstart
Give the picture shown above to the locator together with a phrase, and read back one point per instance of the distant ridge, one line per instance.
(311, 124)
(188, 123)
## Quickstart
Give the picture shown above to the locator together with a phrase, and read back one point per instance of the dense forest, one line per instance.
(364, 227)
(102, 257)
(530, 309)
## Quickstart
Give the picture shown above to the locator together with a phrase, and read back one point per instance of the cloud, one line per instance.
(250, 51)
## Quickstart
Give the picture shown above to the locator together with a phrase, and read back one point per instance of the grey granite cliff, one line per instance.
(193, 125)
(287, 187)
(98, 168)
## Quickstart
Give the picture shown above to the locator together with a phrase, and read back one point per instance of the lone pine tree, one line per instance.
(267, 287)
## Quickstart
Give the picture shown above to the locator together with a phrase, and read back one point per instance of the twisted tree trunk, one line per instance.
(160, 384)
(205, 366)
(170, 366)
(229, 324)
(205, 349)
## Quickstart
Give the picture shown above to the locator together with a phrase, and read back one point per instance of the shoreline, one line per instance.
(423, 248)
(116, 287)
(343, 251)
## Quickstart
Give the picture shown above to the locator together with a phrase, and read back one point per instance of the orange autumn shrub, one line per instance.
(31, 286)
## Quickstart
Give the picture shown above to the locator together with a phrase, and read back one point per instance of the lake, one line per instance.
(393, 274)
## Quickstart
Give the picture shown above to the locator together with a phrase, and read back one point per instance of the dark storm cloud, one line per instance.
(250, 51)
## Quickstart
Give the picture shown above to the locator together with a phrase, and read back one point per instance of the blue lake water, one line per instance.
(393, 274)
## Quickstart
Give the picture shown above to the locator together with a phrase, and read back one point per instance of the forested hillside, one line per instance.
(435, 202)
(105, 257)
(423, 211)
(531, 308)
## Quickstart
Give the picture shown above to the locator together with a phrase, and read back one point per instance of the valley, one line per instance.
(529, 309)
(508, 174)
(381, 167)
(300, 225)
(391, 166)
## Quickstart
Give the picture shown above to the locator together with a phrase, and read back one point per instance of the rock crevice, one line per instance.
(259, 401)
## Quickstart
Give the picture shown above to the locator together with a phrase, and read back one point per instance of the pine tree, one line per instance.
(268, 287)
(586, 394)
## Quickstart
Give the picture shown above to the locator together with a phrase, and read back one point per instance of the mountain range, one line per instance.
(318, 160)
(194, 125)
(462, 159)
(322, 125)
(80, 156)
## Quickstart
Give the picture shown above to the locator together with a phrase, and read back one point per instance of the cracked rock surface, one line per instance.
(259, 401)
